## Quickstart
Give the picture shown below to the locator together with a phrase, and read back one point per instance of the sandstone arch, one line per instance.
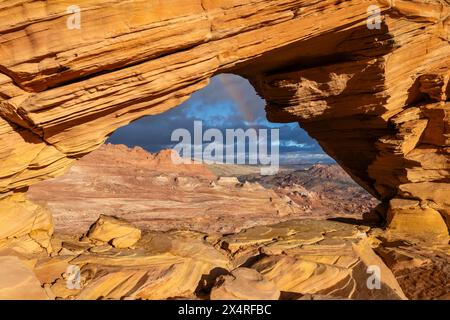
(376, 100)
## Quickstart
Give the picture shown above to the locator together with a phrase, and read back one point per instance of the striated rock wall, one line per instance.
(375, 99)
(381, 109)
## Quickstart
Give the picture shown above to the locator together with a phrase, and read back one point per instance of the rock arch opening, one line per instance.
(375, 98)
(341, 81)
(135, 176)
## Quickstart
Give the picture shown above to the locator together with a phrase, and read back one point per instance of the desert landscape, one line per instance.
(140, 227)
(153, 193)
(83, 219)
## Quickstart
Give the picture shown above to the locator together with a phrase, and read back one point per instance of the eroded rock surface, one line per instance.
(411, 264)
(152, 192)
(320, 190)
(18, 282)
(313, 257)
(299, 259)
(24, 226)
(244, 284)
(120, 233)
(375, 98)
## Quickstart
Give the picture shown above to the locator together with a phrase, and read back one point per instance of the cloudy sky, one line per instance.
(228, 102)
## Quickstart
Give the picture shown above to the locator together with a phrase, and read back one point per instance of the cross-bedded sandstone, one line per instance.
(375, 99)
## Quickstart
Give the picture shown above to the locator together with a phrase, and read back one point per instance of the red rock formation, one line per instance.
(375, 99)
(321, 191)
(154, 193)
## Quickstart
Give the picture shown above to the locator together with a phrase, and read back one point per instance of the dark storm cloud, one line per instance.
(228, 102)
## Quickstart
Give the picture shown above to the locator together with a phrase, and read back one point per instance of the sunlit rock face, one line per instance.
(376, 99)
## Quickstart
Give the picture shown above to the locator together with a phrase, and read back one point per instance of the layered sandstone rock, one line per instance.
(411, 265)
(24, 226)
(152, 192)
(379, 107)
(120, 233)
(313, 257)
(412, 220)
(300, 259)
(322, 190)
(287, 261)
(244, 284)
(375, 98)
(18, 282)
(164, 265)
